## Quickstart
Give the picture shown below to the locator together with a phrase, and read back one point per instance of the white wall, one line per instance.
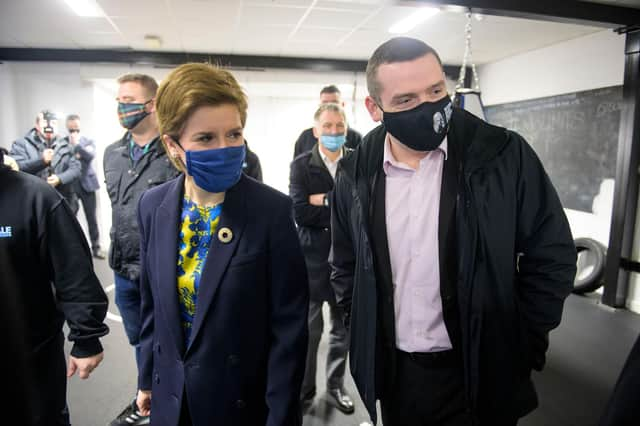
(585, 63)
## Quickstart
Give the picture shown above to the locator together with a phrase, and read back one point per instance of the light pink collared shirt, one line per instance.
(412, 203)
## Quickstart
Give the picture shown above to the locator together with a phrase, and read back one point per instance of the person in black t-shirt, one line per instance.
(47, 280)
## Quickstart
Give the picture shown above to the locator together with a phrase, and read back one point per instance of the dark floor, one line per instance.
(586, 355)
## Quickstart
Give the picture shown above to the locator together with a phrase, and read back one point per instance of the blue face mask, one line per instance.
(216, 170)
(130, 114)
(333, 142)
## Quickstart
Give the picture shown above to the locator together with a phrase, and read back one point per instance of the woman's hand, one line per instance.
(143, 400)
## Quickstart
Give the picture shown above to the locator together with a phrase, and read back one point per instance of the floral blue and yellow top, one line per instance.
(198, 226)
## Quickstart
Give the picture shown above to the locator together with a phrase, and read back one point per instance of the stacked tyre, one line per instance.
(592, 257)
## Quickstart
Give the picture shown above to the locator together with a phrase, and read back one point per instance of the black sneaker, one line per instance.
(130, 416)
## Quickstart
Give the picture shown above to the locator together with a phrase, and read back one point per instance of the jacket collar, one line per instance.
(155, 146)
(316, 159)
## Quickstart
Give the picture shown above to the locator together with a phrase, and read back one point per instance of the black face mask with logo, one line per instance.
(422, 128)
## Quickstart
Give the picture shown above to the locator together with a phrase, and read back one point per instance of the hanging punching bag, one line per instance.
(467, 98)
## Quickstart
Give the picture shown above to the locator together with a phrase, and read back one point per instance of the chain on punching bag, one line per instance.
(468, 98)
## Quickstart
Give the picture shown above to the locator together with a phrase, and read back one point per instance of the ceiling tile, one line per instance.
(353, 5)
(137, 8)
(299, 3)
(259, 15)
(213, 11)
(323, 36)
(335, 19)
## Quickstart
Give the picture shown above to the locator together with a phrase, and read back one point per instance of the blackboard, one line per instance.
(575, 135)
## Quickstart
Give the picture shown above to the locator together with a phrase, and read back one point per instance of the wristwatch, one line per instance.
(325, 200)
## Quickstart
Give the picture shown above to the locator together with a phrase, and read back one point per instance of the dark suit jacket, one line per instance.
(245, 361)
(309, 175)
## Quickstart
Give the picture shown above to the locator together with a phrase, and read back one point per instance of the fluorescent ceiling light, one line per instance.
(89, 8)
(419, 16)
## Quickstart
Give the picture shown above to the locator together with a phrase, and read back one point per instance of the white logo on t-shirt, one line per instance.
(5, 231)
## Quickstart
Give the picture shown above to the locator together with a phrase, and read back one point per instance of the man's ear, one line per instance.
(152, 105)
(315, 132)
(374, 110)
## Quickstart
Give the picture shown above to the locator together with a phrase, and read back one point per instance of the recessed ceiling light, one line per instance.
(152, 41)
(419, 16)
(89, 8)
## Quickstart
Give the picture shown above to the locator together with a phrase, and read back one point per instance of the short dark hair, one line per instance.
(332, 88)
(73, 117)
(397, 49)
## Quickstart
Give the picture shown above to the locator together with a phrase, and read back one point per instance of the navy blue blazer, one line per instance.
(245, 361)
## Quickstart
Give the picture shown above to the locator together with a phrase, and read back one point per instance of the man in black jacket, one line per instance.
(452, 256)
(42, 153)
(307, 139)
(311, 181)
(132, 165)
(48, 278)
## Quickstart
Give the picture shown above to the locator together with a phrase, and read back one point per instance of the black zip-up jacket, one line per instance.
(126, 182)
(515, 266)
(45, 251)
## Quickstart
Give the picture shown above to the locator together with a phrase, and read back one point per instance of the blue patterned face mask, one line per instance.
(131, 114)
(216, 170)
(333, 142)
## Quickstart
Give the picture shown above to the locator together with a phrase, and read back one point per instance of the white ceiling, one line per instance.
(339, 29)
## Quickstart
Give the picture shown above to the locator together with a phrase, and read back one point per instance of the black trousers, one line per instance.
(49, 399)
(337, 353)
(426, 394)
(88, 200)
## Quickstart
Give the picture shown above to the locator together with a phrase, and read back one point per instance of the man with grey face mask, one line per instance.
(42, 153)
(451, 253)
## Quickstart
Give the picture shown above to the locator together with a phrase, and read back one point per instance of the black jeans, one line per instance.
(88, 200)
(425, 395)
